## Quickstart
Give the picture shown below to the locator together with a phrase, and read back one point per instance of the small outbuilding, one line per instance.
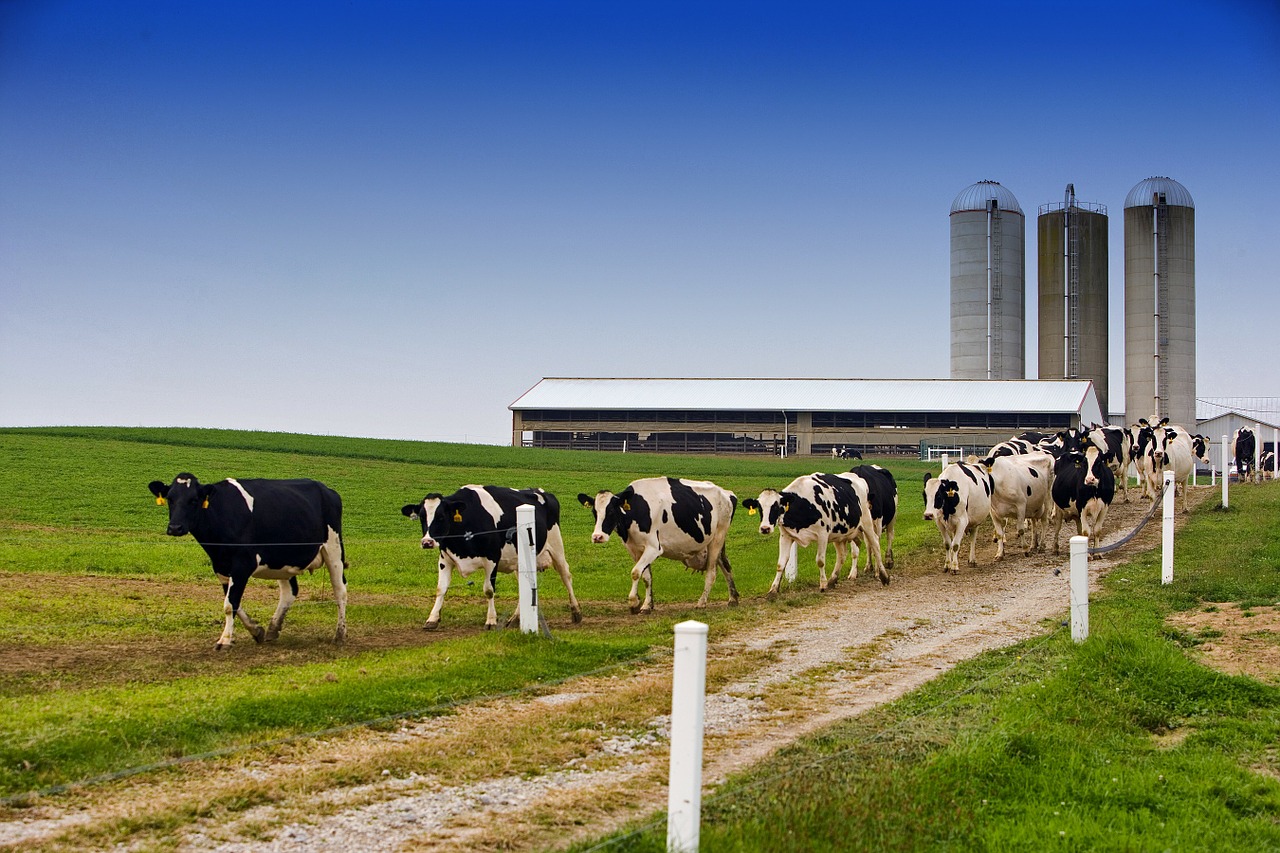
(795, 416)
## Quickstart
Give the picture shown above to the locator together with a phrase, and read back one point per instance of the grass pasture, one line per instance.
(106, 655)
(1127, 742)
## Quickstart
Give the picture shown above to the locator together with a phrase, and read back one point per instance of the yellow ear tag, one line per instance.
(751, 511)
(205, 505)
(457, 515)
(160, 501)
(626, 506)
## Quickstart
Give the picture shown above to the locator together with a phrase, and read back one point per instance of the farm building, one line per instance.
(795, 416)
(1219, 416)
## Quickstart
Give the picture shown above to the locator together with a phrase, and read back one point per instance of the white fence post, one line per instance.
(688, 705)
(1166, 550)
(527, 569)
(1079, 588)
(1257, 453)
(1226, 473)
(1275, 454)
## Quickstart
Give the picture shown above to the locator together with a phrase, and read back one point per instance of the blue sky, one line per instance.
(391, 219)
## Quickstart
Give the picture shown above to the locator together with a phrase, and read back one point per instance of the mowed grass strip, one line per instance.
(1124, 742)
(106, 658)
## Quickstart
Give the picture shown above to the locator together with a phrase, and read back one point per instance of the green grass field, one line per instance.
(107, 663)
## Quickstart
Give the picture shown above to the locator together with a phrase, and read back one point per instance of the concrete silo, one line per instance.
(1073, 282)
(988, 284)
(1160, 302)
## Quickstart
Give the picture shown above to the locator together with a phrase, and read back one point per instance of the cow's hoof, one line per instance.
(490, 626)
(431, 626)
(258, 634)
(340, 637)
(271, 636)
(220, 646)
(771, 595)
(884, 579)
(635, 608)
(577, 616)
(645, 611)
(733, 602)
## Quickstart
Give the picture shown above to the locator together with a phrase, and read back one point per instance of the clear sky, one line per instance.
(391, 219)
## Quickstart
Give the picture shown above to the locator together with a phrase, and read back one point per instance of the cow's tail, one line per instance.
(733, 505)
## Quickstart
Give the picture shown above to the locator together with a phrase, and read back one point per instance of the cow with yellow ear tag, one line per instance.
(274, 529)
(957, 501)
(474, 530)
(682, 520)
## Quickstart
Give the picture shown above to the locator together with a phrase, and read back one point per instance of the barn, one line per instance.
(1219, 416)
(794, 416)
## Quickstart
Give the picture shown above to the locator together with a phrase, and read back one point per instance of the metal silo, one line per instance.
(1073, 281)
(988, 284)
(1160, 302)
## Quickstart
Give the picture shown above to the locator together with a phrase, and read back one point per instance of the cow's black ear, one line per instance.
(409, 510)
(586, 500)
(751, 503)
(158, 488)
(451, 510)
(927, 475)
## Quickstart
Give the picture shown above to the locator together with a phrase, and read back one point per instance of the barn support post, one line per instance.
(1079, 588)
(527, 569)
(1166, 539)
(1275, 454)
(1226, 473)
(688, 706)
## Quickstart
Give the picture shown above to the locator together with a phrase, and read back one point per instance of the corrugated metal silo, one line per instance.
(1160, 302)
(988, 284)
(1073, 281)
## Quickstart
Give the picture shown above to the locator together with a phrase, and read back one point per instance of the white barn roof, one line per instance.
(817, 395)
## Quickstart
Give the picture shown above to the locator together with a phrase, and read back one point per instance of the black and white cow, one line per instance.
(819, 509)
(882, 494)
(1181, 452)
(957, 501)
(470, 528)
(682, 520)
(1142, 440)
(1244, 445)
(274, 529)
(1116, 444)
(1020, 492)
(1083, 488)
(1267, 464)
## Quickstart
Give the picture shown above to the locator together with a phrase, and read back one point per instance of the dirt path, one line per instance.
(533, 773)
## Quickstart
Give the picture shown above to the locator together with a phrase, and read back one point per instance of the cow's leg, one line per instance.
(444, 575)
(641, 571)
(784, 554)
(887, 541)
(871, 539)
(647, 577)
(709, 574)
(723, 559)
(998, 523)
(234, 589)
(288, 594)
(338, 580)
(1057, 526)
(555, 550)
(491, 617)
(820, 559)
(842, 551)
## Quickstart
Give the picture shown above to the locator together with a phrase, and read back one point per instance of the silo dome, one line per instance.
(1175, 194)
(978, 196)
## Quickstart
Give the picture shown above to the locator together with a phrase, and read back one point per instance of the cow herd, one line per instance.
(276, 529)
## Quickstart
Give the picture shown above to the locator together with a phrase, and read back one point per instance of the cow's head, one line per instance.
(425, 511)
(186, 498)
(1200, 448)
(941, 498)
(610, 512)
(1093, 462)
(770, 505)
